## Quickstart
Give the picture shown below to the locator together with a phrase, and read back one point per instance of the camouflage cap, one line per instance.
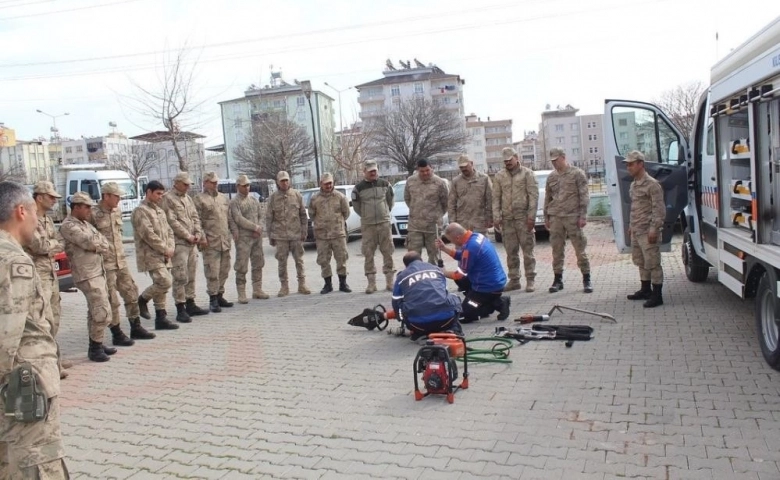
(370, 166)
(326, 177)
(243, 180)
(112, 188)
(634, 156)
(282, 176)
(463, 160)
(211, 177)
(182, 177)
(556, 153)
(81, 197)
(46, 188)
(507, 153)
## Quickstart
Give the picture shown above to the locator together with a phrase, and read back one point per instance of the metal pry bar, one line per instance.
(560, 308)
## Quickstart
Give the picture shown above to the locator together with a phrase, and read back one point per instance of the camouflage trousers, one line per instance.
(416, 241)
(249, 249)
(647, 256)
(121, 282)
(185, 265)
(98, 306)
(377, 236)
(216, 268)
(560, 229)
(336, 247)
(51, 290)
(161, 283)
(283, 249)
(516, 236)
(32, 451)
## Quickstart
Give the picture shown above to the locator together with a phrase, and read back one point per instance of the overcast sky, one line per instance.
(81, 56)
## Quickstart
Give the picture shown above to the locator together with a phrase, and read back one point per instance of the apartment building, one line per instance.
(26, 161)
(488, 139)
(408, 81)
(530, 151)
(159, 146)
(580, 136)
(287, 100)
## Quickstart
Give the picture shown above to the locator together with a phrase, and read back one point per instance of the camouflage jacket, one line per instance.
(182, 216)
(471, 202)
(109, 223)
(648, 210)
(25, 334)
(329, 213)
(213, 212)
(515, 195)
(373, 201)
(566, 194)
(286, 217)
(85, 247)
(427, 201)
(45, 244)
(153, 237)
(246, 216)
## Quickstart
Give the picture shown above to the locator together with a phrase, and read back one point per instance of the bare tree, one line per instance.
(681, 103)
(142, 158)
(350, 151)
(273, 144)
(13, 173)
(172, 101)
(416, 129)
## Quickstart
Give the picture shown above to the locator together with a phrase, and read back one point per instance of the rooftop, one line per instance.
(165, 136)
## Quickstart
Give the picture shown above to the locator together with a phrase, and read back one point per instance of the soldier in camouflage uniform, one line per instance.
(566, 201)
(107, 218)
(287, 224)
(154, 249)
(426, 195)
(45, 244)
(28, 450)
(246, 226)
(471, 198)
(85, 247)
(648, 212)
(185, 223)
(328, 211)
(372, 200)
(212, 208)
(515, 200)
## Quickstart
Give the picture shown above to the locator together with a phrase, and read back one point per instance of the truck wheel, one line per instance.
(767, 322)
(696, 269)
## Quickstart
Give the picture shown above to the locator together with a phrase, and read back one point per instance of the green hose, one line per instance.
(499, 353)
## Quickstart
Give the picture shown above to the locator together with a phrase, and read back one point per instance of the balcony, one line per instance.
(371, 113)
(444, 90)
(371, 98)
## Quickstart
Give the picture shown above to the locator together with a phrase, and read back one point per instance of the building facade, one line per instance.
(529, 149)
(487, 139)
(159, 148)
(26, 161)
(580, 136)
(287, 101)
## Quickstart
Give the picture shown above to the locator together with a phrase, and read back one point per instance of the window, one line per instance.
(479, 156)
(301, 101)
(559, 128)
(575, 151)
(575, 139)
(560, 140)
(236, 109)
(396, 101)
(575, 127)
(395, 91)
(79, 148)
(418, 87)
(623, 135)
(477, 131)
(477, 143)
(68, 149)
(593, 150)
(623, 122)
(238, 123)
(593, 137)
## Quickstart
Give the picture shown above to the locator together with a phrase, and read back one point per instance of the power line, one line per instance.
(24, 4)
(66, 10)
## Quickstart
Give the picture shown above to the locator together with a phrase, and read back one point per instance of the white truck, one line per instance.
(722, 184)
(90, 178)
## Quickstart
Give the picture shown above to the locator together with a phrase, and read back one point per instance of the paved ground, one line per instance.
(285, 388)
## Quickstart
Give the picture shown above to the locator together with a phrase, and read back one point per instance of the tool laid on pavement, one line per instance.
(531, 318)
(570, 333)
(560, 308)
(371, 318)
(436, 362)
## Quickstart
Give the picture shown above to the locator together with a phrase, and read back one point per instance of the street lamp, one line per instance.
(306, 87)
(341, 117)
(54, 121)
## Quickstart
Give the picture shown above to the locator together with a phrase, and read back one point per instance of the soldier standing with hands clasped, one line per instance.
(246, 226)
(212, 208)
(287, 225)
(329, 210)
(426, 194)
(471, 198)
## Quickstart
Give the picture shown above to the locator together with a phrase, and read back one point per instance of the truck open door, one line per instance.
(142, 182)
(628, 126)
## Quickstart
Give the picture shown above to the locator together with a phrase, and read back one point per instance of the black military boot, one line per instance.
(181, 314)
(194, 310)
(503, 311)
(643, 293)
(138, 332)
(119, 338)
(328, 286)
(214, 304)
(161, 321)
(343, 287)
(557, 284)
(108, 350)
(222, 302)
(143, 307)
(587, 287)
(655, 298)
(96, 353)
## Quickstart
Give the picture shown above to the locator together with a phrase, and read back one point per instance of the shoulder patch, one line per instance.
(21, 270)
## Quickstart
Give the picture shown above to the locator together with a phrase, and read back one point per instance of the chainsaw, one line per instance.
(436, 362)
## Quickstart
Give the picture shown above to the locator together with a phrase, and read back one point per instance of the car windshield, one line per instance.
(306, 194)
(125, 184)
(542, 180)
(398, 191)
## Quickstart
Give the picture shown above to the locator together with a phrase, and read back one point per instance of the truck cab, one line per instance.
(91, 182)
